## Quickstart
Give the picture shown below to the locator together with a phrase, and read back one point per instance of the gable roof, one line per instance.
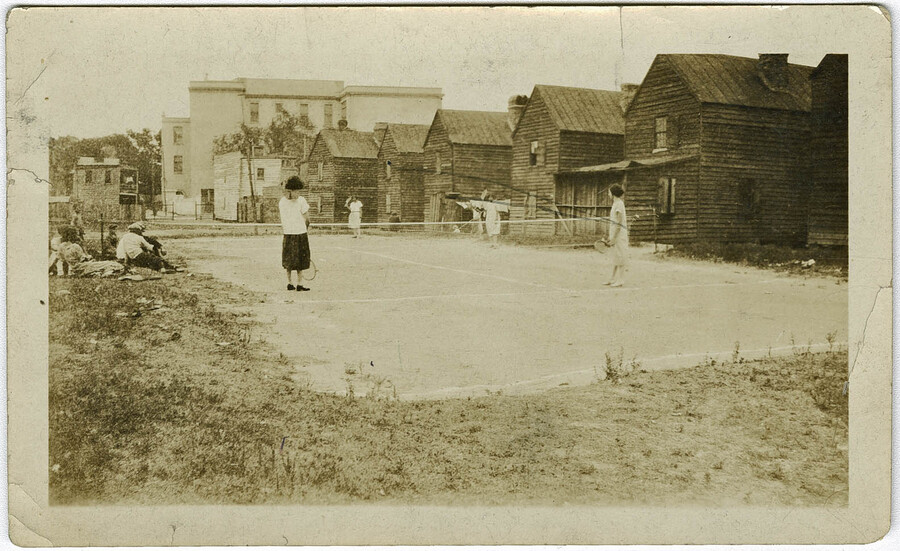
(583, 109)
(476, 127)
(349, 143)
(733, 80)
(409, 138)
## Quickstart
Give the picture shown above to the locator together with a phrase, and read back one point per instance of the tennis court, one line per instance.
(454, 317)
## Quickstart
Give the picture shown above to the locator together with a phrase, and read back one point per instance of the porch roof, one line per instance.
(629, 164)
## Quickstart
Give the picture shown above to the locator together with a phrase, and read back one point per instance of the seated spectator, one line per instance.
(134, 250)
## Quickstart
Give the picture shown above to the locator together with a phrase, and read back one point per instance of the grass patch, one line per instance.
(830, 261)
(154, 408)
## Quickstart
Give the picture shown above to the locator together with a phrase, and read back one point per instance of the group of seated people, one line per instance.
(132, 249)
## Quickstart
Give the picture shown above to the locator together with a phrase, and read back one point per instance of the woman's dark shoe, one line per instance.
(302, 288)
(290, 287)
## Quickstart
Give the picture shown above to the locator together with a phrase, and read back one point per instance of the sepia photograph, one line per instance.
(445, 263)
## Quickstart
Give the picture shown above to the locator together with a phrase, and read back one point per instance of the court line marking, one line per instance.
(457, 270)
(755, 353)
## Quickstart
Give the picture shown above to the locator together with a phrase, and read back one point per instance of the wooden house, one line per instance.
(400, 174)
(104, 187)
(829, 161)
(561, 129)
(466, 152)
(716, 150)
(342, 162)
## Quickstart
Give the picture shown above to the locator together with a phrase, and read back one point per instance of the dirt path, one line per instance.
(452, 317)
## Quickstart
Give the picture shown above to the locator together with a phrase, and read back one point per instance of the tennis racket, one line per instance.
(310, 273)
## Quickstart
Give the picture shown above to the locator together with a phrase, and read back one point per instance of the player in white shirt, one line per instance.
(294, 223)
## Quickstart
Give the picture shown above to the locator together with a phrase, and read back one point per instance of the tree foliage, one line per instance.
(287, 135)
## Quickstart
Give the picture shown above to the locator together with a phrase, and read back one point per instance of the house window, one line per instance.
(178, 164)
(666, 198)
(536, 154)
(254, 112)
(177, 135)
(304, 110)
(260, 174)
(321, 170)
(661, 126)
(258, 151)
(279, 108)
(748, 196)
(531, 206)
(387, 169)
(344, 110)
(328, 115)
(108, 177)
(318, 204)
(437, 162)
(387, 203)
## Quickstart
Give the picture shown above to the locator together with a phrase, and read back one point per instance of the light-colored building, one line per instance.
(232, 180)
(219, 107)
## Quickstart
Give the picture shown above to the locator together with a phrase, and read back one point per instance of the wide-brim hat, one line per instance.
(137, 226)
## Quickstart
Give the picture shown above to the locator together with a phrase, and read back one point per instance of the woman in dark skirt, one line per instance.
(294, 224)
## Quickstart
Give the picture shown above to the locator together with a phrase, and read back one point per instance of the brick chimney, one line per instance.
(515, 106)
(628, 93)
(773, 71)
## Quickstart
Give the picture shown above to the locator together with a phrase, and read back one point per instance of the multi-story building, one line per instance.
(220, 107)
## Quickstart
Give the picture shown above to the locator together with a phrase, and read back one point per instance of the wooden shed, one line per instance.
(719, 146)
(400, 174)
(828, 201)
(466, 152)
(342, 162)
(561, 129)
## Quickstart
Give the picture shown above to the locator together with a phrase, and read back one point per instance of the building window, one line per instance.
(108, 177)
(304, 110)
(748, 196)
(318, 204)
(279, 108)
(536, 154)
(177, 135)
(258, 151)
(321, 171)
(666, 198)
(178, 164)
(328, 116)
(387, 169)
(531, 206)
(254, 112)
(437, 162)
(344, 110)
(661, 126)
(260, 174)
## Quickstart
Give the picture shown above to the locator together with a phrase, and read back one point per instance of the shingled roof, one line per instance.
(476, 127)
(409, 138)
(349, 143)
(732, 80)
(583, 109)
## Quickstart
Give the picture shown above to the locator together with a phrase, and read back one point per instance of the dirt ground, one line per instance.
(439, 317)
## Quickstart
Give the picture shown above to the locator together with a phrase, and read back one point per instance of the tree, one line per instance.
(289, 135)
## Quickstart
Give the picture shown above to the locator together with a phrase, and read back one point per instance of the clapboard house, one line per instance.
(342, 162)
(716, 149)
(828, 201)
(466, 152)
(561, 129)
(400, 174)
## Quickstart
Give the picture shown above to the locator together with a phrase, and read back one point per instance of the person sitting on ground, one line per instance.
(55, 242)
(134, 250)
(77, 222)
(111, 243)
(69, 252)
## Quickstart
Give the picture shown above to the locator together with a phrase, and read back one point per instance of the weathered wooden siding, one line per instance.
(662, 94)
(642, 197)
(535, 124)
(829, 148)
(405, 185)
(482, 167)
(768, 149)
(434, 184)
(578, 149)
(321, 196)
(357, 177)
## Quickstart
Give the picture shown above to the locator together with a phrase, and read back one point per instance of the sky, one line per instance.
(105, 70)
